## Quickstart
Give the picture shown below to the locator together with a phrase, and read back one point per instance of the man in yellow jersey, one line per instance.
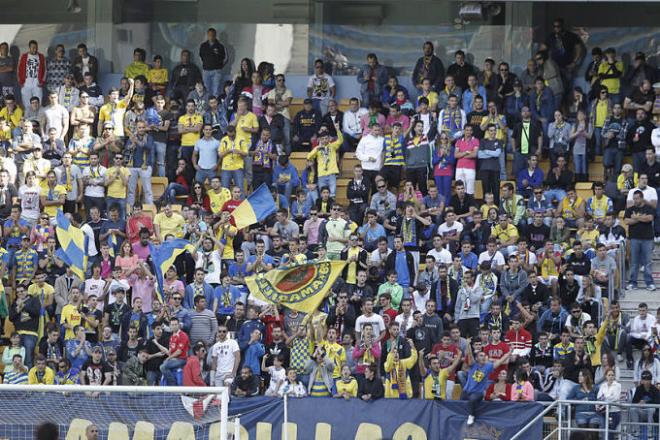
(114, 110)
(53, 195)
(325, 154)
(434, 379)
(71, 316)
(225, 233)
(247, 125)
(168, 222)
(218, 196)
(116, 180)
(232, 153)
(189, 126)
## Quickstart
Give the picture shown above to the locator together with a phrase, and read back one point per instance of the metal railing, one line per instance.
(563, 424)
(621, 265)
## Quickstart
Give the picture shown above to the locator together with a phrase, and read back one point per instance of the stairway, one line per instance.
(629, 302)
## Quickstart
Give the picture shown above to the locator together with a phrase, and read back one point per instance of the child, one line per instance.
(292, 387)
(489, 203)
(277, 375)
(346, 385)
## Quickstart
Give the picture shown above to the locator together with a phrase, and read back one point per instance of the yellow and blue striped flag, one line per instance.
(112, 243)
(257, 207)
(163, 258)
(73, 242)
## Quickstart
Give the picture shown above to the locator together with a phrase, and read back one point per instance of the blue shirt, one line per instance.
(207, 153)
(227, 298)
(401, 267)
(372, 234)
(471, 261)
(143, 153)
(15, 236)
(267, 259)
(477, 379)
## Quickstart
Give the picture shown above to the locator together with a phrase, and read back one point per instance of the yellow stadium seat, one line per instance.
(584, 190)
(478, 190)
(158, 186)
(150, 209)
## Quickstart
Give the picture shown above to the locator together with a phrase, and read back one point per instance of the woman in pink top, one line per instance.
(126, 259)
(172, 285)
(466, 159)
(522, 390)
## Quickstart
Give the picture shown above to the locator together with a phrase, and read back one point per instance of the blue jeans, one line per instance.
(638, 159)
(444, 186)
(161, 147)
(287, 135)
(558, 194)
(153, 377)
(213, 81)
(598, 140)
(186, 153)
(641, 253)
(473, 400)
(169, 367)
(121, 203)
(285, 189)
(30, 343)
(613, 158)
(580, 162)
(236, 175)
(656, 220)
(173, 189)
(519, 163)
(201, 175)
(330, 181)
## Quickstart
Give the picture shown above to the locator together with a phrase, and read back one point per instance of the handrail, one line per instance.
(536, 419)
(559, 403)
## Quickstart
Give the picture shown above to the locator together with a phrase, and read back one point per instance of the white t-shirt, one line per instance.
(650, 194)
(95, 181)
(441, 256)
(95, 287)
(453, 231)
(320, 85)
(495, 260)
(213, 267)
(419, 301)
(275, 377)
(225, 353)
(91, 244)
(375, 320)
(55, 116)
(30, 201)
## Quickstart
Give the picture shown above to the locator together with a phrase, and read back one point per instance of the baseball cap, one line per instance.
(646, 375)
(108, 125)
(307, 101)
(97, 348)
(117, 288)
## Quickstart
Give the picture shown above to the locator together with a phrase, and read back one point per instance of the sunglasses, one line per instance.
(538, 192)
(177, 298)
(222, 331)
(576, 311)
(381, 187)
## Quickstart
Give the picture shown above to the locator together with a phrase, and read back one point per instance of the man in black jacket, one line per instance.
(184, 77)
(25, 313)
(214, 58)
(639, 137)
(526, 140)
(429, 67)
(371, 388)
(406, 280)
(357, 193)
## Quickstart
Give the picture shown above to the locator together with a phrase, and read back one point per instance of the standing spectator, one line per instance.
(281, 96)
(84, 63)
(115, 110)
(460, 70)
(214, 58)
(566, 49)
(430, 67)
(466, 159)
(417, 151)
(184, 77)
(320, 88)
(372, 78)
(31, 73)
(189, 126)
(551, 76)
(57, 69)
(7, 72)
(639, 218)
(610, 72)
(325, 155)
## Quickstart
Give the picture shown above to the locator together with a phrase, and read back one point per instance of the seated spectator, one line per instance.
(246, 385)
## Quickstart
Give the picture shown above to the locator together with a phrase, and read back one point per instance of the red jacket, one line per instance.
(22, 67)
(522, 340)
(192, 376)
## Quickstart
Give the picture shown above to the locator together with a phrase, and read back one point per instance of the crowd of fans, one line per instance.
(512, 296)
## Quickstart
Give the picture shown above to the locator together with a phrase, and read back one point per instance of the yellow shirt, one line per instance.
(233, 161)
(336, 354)
(226, 236)
(248, 120)
(590, 237)
(326, 158)
(70, 315)
(601, 113)
(498, 121)
(48, 378)
(157, 76)
(136, 68)
(217, 200)
(505, 234)
(53, 194)
(115, 115)
(484, 210)
(350, 387)
(14, 119)
(435, 387)
(568, 208)
(613, 84)
(189, 139)
(169, 225)
(433, 100)
(44, 293)
(117, 188)
(352, 266)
